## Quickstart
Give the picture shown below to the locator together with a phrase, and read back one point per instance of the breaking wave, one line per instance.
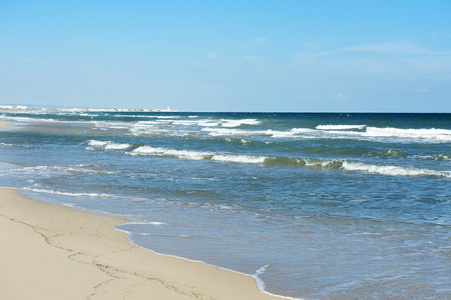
(343, 165)
(183, 154)
(392, 170)
(432, 134)
(360, 132)
(108, 145)
(340, 127)
(220, 123)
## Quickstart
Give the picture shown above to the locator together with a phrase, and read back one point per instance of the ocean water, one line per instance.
(313, 205)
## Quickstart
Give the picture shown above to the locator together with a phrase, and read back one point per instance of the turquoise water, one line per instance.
(315, 206)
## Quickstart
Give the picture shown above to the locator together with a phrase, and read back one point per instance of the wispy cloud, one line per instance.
(341, 96)
(259, 40)
(251, 57)
(212, 55)
(394, 48)
(423, 90)
(395, 58)
(403, 48)
(439, 36)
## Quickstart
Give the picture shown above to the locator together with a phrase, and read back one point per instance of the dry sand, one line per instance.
(53, 252)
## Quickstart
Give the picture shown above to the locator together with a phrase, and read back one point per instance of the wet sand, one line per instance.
(53, 252)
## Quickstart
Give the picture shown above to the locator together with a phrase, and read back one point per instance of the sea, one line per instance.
(312, 205)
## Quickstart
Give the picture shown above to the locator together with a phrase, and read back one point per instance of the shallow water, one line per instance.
(343, 206)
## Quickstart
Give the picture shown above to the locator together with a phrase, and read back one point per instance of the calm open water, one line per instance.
(315, 206)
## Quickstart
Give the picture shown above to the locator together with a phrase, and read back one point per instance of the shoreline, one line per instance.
(4, 125)
(58, 252)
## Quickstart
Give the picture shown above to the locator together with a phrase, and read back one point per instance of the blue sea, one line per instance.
(313, 205)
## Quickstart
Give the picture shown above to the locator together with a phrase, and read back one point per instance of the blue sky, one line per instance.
(304, 56)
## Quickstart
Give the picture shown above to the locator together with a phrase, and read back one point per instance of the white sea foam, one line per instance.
(388, 134)
(147, 223)
(321, 163)
(280, 134)
(105, 125)
(225, 132)
(439, 157)
(227, 123)
(143, 128)
(302, 131)
(431, 135)
(11, 107)
(157, 223)
(237, 123)
(55, 192)
(340, 127)
(295, 132)
(262, 286)
(88, 115)
(95, 143)
(236, 132)
(108, 145)
(117, 146)
(147, 116)
(205, 123)
(7, 145)
(158, 151)
(197, 155)
(344, 132)
(249, 159)
(167, 117)
(157, 122)
(134, 116)
(239, 158)
(239, 141)
(27, 119)
(392, 170)
(260, 283)
(366, 168)
(50, 171)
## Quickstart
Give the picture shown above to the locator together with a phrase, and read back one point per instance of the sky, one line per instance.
(253, 56)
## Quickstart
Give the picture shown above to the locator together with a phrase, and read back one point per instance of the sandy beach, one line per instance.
(3, 125)
(53, 252)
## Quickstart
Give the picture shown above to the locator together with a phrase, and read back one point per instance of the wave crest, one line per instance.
(108, 145)
(335, 164)
(340, 127)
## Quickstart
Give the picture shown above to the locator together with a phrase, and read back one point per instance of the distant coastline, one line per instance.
(76, 109)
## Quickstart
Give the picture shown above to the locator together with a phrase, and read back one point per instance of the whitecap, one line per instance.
(158, 151)
(431, 135)
(237, 123)
(236, 132)
(204, 123)
(196, 155)
(392, 170)
(239, 158)
(340, 127)
(107, 145)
